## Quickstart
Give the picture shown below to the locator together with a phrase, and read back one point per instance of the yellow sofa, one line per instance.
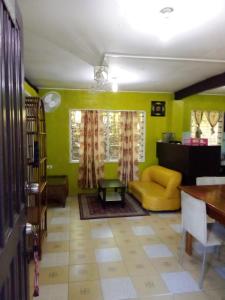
(157, 189)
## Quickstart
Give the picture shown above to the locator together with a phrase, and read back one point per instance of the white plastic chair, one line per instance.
(194, 221)
(210, 180)
(213, 180)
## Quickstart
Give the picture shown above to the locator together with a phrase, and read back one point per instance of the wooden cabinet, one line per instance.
(36, 167)
(191, 161)
(57, 189)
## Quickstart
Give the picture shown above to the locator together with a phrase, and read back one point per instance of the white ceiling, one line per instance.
(65, 39)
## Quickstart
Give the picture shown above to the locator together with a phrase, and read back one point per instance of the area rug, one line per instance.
(91, 208)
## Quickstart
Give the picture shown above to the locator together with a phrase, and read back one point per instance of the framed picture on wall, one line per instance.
(158, 108)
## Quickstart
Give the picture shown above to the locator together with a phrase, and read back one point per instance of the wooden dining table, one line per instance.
(214, 197)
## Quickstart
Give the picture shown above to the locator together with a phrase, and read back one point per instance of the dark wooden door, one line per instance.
(13, 266)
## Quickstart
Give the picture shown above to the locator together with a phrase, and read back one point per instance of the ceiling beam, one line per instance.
(201, 86)
(167, 58)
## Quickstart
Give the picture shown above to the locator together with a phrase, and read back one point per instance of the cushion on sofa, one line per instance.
(142, 189)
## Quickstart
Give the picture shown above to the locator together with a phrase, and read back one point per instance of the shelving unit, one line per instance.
(36, 167)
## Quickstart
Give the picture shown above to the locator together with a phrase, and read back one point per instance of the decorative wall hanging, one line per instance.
(158, 109)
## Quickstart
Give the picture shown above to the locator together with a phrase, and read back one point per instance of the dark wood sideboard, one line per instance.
(191, 161)
(57, 189)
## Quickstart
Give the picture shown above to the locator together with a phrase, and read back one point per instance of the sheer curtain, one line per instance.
(213, 118)
(128, 157)
(91, 167)
(198, 119)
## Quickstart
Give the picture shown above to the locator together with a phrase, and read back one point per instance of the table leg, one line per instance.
(188, 243)
(99, 197)
(104, 198)
(123, 196)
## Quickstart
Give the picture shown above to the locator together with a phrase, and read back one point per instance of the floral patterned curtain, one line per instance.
(128, 160)
(91, 167)
(213, 118)
(198, 118)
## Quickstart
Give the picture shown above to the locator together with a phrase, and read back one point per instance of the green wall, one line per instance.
(181, 110)
(29, 90)
(58, 126)
(177, 119)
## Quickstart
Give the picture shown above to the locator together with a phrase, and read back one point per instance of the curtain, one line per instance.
(128, 156)
(213, 118)
(91, 167)
(198, 118)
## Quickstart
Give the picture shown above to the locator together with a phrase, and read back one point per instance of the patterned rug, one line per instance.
(91, 208)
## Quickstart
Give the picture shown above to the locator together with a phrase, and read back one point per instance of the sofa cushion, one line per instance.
(146, 188)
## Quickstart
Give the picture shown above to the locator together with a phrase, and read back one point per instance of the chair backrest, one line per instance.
(194, 217)
(210, 180)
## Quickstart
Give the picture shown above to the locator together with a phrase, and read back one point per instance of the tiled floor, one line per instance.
(121, 259)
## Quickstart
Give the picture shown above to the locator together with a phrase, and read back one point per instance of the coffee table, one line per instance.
(111, 190)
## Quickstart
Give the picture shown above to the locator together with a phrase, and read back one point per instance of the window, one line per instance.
(111, 121)
(214, 138)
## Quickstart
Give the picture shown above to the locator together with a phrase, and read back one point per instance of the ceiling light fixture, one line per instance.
(104, 82)
(166, 19)
(166, 11)
(100, 77)
(101, 74)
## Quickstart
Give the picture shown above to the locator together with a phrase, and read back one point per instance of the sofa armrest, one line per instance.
(173, 184)
(146, 174)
